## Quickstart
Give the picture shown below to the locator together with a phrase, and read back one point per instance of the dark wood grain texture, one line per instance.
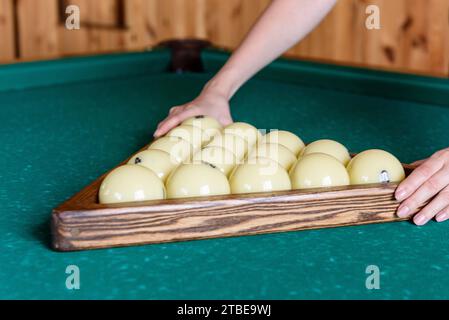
(82, 223)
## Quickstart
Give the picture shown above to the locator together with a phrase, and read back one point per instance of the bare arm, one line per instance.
(281, 26)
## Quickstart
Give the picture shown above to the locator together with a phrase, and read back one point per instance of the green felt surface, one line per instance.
(58, 136)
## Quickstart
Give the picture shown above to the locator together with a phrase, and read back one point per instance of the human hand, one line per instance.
(429, 181)
(209, 102)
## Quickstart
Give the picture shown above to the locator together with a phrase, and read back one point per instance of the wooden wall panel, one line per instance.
(437, 31)
(76, 41)
(101, 23)
(222, 19)
(414, 34)
(7, 50)
(143, 26)
(179, 19)
(99, 32)
(408, 39)
(228, 21)
(38, 28)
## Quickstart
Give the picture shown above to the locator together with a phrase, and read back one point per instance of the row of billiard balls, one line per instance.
(200, 158)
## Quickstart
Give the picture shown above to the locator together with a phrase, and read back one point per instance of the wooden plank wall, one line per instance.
(99, 31)
(7, 49)
(38, 29)
(414, 34)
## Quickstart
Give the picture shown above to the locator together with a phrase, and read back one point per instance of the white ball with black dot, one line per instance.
(223, 159)
(157, 161)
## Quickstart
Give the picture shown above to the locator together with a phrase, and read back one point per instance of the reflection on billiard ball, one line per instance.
(259, 175)
(375, 166)
(178, 149)
(130, 183)
(244, 130)
(157, 161)
(318, 170)
(330, 147)
(223, 159)
(285, 138)
(196, 179)
(194, 135)
(276, 152)
(235, 144)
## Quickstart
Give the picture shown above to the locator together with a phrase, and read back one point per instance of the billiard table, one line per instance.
(66, 122)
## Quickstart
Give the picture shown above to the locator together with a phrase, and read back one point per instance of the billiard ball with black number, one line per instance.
(375, 166)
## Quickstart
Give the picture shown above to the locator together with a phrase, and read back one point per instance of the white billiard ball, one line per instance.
(330, 147)
(208, 124)
(131, 183)
(238, 146)
(245, 131)
(375, 166)
(157, 161)
(318, 170)
(285, 138)
(273, 151)
(179, 149)
(223, 159)
(195, 180)
(263, 175)
(194, 135)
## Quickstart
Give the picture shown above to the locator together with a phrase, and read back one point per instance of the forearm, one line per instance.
(281, 26)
